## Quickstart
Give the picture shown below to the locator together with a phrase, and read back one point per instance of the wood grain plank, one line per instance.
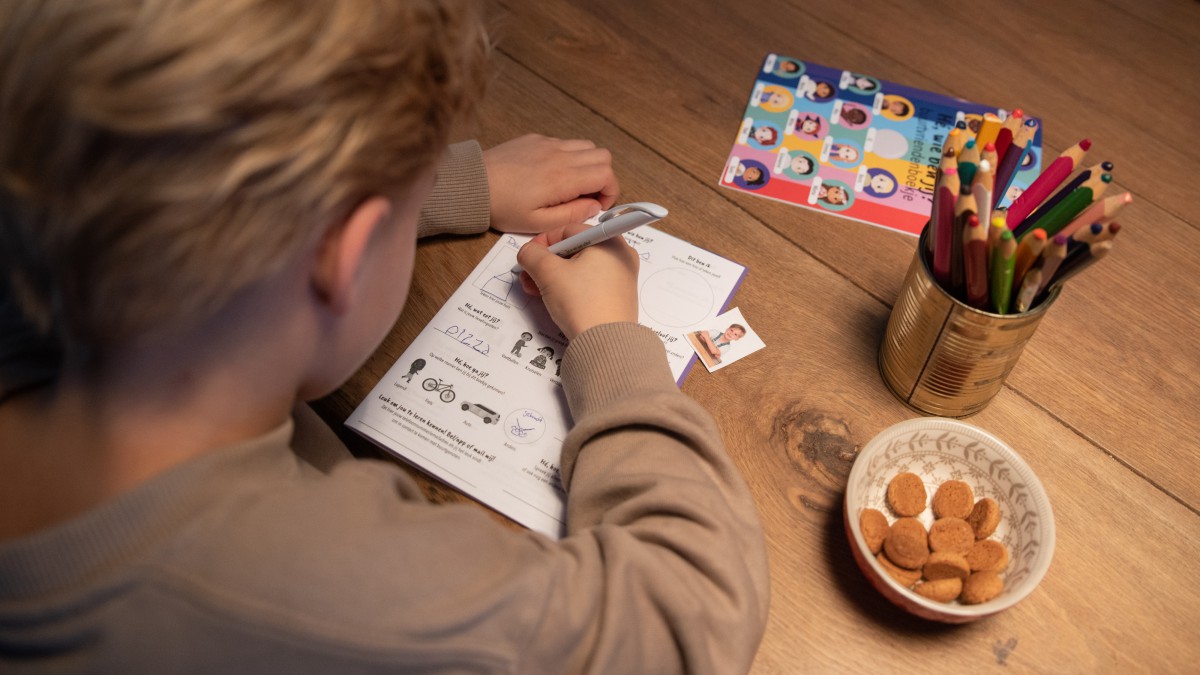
(677, 77)
(794, 415)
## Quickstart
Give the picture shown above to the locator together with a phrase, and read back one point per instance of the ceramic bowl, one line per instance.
(938, 450)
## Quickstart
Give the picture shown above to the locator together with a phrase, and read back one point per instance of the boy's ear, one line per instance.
(343, 251)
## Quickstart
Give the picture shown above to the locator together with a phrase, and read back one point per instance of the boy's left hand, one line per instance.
(538, 183)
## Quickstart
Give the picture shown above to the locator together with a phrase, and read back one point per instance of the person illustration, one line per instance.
(788, 68)
(539, 361)
(864, 84)
(880, 183)
(750, 174)
(854, 116)
(414, 369)
(803, 166)
(897, 106)
(525, 338)
(821, 91)
(844, 152)
(775, 99)
(834, 195)
(809, 125)
(765, 135)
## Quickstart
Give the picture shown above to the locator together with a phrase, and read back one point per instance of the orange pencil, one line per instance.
(1027, 252)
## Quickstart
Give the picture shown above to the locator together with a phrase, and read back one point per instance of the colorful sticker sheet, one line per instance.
(851, 144)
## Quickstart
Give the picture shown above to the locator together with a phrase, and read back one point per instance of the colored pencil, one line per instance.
(1007, 132)
(989, 153)
(1045, 184)
(1101, 210)
(1028, 250)
(1083, 237)
(988, 129)
(968, 162)
(1011, 162)
(1076, 181)
(981, 187)
(994, 231)
(944, 227)
(963, 208)
(1052, 256)
(1079, 261)
(1028, 291)
(1066, 210)
(1003, 259)
(975, 267)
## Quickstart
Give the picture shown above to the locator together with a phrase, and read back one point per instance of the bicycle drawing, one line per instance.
(447, 389)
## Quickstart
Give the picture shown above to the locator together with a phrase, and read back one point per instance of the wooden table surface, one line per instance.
(1103, 404)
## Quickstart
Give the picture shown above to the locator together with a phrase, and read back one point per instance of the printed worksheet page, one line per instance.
(477, 400)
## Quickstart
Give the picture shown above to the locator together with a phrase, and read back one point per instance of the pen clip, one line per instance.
(651, 209)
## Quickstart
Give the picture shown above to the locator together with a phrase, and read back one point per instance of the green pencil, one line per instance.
(1004, 260)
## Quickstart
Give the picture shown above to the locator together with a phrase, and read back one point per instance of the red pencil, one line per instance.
(975, 266)
(1045, 184)
(943, 231)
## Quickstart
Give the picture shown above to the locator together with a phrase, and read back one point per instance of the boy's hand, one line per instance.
(597, 285)
(538, 183)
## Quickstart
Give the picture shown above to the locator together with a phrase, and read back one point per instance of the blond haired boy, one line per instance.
(208, 212)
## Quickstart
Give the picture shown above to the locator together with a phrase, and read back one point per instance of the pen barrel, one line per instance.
(943, 357)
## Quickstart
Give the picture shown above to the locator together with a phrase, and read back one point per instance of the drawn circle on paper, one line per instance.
(524, 425)
(890, 143)
(676, 297)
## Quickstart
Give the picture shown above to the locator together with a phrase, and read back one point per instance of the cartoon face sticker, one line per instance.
(846, 155)
(789, 68)
(853, 116)
(800, 165)
(834, 195)
(896, 108)
(863, 84)
(764, 136)
(880, 183)
(775, 99)
(810, 125)
(751, 175)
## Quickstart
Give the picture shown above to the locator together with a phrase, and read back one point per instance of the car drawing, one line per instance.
(489, 416)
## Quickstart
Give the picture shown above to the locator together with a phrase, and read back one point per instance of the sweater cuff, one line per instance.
(613, 362)
(460, 202)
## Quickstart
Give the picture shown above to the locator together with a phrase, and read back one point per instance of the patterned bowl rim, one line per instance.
(999, 604)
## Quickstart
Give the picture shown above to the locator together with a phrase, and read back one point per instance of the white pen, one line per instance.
(616, 221)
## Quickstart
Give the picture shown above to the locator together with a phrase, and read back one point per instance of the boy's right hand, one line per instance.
(595, 286)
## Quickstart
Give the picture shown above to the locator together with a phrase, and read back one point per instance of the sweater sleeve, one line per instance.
(668, 564)
(460, 201)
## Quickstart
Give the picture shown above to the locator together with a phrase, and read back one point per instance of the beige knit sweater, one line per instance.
(252, 559)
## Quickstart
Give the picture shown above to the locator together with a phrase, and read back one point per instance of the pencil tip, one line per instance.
(1039, 234)
(1106, 177)
(1086, 144)
(1127, 198)
(1018, 113)
(1114, 227)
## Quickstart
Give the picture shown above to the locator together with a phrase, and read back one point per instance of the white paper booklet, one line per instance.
(476, 400)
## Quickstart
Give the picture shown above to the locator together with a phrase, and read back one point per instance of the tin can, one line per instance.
(943, 357)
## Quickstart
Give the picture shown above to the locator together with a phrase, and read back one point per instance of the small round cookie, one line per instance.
(907, 544)
(942, 590)
(943, 565)
(953, 499)
(905, 578)
(988, 555)
(874, 527)
(906, 494)
(952, 535)
(981, 587)
(984, 517)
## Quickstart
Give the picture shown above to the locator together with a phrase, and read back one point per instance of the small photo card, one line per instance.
(728, 339)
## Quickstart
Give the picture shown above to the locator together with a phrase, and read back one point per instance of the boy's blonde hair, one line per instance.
(159, 156)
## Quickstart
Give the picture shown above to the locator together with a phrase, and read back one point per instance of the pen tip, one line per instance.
(1086, 144)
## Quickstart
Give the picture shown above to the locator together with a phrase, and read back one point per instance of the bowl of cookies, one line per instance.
(947, 521)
